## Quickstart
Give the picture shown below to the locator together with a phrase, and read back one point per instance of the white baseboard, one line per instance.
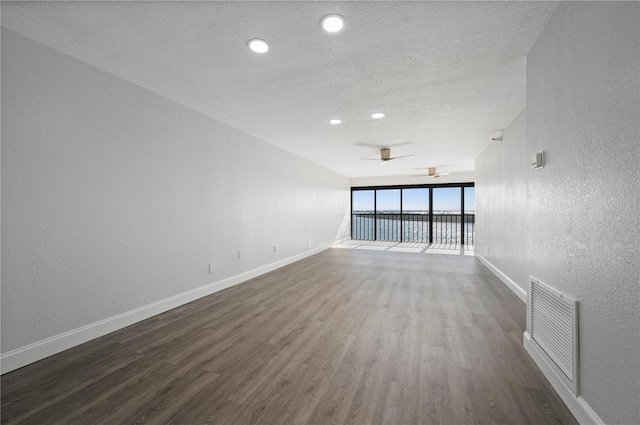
(342, 240)
(578, 406)
(31, 353)
(515, 288)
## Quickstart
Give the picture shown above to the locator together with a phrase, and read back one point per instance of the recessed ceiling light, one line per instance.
(335, 121)
(377, 115)
(257, 45)
(332, 23)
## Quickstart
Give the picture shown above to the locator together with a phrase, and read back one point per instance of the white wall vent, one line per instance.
(553, 326)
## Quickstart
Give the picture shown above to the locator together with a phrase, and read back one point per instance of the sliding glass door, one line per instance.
(415, 215)
(363, 208)
(469, 216)
(443, 214)
(446, 215)
(388, 215)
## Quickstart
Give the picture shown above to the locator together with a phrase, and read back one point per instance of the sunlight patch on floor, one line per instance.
(412, 247)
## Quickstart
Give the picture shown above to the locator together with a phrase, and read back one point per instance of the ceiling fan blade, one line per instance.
(403, 156)
(385, 156)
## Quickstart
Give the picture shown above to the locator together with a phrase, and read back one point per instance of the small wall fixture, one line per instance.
(537, 161)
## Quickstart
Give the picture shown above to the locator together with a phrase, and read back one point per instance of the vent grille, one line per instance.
(554, 328)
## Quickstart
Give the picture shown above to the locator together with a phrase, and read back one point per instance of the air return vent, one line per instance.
(553, 325)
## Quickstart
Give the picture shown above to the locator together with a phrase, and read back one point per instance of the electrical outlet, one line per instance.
(239, 254)
(275, 248)
(212, 268)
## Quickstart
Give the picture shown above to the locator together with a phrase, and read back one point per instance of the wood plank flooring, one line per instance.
(343, 337)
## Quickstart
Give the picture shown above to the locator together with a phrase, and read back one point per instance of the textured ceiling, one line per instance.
(448, 75)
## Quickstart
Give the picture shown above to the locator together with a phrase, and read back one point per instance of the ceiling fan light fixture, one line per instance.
(385, 156)
(432, 172)
(258, 45)
(377, 115)
(335, 121)
(332, 23)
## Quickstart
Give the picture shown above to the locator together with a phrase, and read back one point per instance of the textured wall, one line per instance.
(114, 197)
(583, 110)
(502, 171)
(581, 212)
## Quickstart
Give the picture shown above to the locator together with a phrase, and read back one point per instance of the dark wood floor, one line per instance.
(345, 336)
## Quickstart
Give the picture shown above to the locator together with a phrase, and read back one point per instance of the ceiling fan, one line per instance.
(385, 156)
(432, 173)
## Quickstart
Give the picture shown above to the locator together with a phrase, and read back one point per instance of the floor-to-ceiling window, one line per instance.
(415, 215)
(442, 214)
(388, 217)
(469, 227)
(363, 209)
(447, 203)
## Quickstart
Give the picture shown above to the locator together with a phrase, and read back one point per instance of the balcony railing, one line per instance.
(414, 227)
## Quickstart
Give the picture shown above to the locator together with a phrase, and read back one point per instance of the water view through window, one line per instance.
(442, 214)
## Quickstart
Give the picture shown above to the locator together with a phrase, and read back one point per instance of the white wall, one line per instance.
(114, 197)
(581, 210)
(501, 203)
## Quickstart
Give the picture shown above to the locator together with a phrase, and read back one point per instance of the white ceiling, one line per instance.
(448, 75)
